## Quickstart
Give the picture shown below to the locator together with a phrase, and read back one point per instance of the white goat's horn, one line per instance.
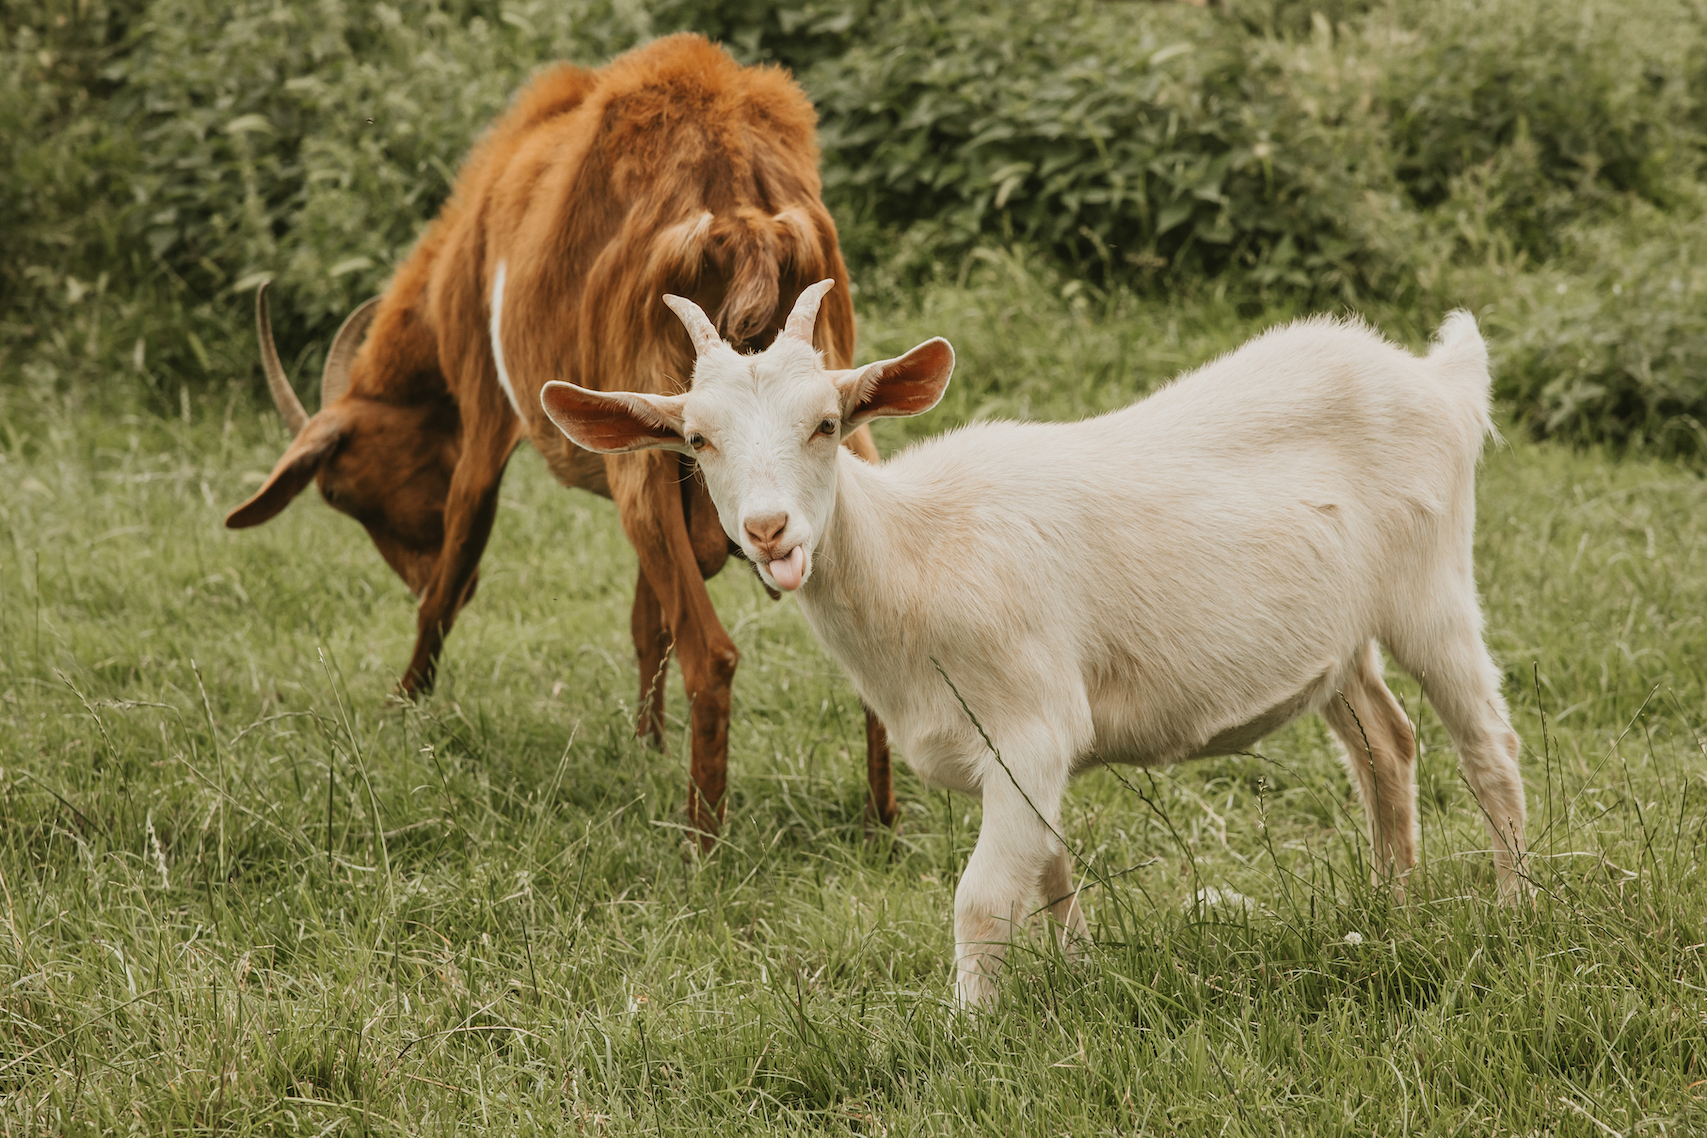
(290, 407)
(701, 330)
(335, 376)
(804, 318)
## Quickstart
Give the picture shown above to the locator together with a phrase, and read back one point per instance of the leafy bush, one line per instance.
(1557, 109)
(164, 155)
(1342, 161)
(311, 141)
(1142, 140)
(1611, 347)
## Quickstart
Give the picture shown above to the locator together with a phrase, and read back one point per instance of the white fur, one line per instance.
(498, 344)
(1172, 580)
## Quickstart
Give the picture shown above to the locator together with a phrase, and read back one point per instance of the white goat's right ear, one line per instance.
(907, 385)
(614, 422)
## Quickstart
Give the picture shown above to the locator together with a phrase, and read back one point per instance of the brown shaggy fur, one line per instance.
(673, 169)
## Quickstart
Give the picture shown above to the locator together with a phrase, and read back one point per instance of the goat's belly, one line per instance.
(1246, 735)
(1146, 739)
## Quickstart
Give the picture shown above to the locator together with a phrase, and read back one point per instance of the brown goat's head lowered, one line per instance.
(671, 170)
(386, 465)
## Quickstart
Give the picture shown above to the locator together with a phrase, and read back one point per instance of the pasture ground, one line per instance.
(245, 891)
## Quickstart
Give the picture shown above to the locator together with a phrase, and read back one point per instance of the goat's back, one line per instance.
(672, 169)
(1283, 503)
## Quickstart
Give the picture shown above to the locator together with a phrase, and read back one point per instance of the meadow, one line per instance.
(247, 891)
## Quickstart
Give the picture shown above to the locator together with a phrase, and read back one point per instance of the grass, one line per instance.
(246, 891)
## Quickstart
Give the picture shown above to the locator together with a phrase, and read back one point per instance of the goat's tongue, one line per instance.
(787, 570)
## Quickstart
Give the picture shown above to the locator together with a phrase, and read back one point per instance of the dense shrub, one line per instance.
(1557, 108)
(1335, 162)
(162, 156)
(1136, 139)
(1616, 350)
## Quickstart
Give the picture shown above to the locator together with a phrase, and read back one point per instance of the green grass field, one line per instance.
(246, 891)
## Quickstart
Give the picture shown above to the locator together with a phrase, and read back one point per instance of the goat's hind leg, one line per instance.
(1380, 750)
(1061, 900)
(1462, 683)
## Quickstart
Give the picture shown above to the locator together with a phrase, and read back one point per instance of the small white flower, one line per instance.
(1354, 937)
(1213, 898)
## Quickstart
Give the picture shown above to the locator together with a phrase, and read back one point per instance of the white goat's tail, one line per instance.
(1462, 359)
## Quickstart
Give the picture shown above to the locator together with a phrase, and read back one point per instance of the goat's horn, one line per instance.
(290, 407)
(804, 318)
(701, 330)
(335, 377)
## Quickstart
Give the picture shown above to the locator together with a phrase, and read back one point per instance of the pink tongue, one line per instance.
(787, 571)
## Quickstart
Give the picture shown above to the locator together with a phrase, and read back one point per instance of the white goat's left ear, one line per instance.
(613, 422)
(907, 385)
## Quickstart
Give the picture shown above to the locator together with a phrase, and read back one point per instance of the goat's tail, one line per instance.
(1461, 357)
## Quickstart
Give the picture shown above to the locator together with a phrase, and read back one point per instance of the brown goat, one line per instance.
(671, 170)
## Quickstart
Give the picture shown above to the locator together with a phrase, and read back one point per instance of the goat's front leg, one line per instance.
(489, 436)
(648, 498)
(652, 648)
(1015, 851)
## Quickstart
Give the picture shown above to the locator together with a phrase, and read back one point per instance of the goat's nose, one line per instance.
(766, 529)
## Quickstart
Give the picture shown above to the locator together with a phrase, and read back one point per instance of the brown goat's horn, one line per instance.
(701, 330)
(805, 315)
(277, 382)
(335, 377)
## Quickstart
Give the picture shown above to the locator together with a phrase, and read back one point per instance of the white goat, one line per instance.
(1173, 580)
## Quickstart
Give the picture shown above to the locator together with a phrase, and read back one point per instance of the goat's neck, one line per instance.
(864, 574)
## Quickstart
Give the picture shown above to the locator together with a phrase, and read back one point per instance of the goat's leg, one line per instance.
(1444, 651)
(470, 509)
(652, 648)
(1380, 751)
(651, 638)
(1016, 847)
(705, 529)
(1062, 899)
(880, 806)
(644, 487)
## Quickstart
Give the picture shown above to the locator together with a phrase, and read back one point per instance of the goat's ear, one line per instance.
(613, 422)
(302, 460)
(907, 385)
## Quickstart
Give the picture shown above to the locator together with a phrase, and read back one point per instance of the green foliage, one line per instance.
(1556, 111)
(1139, 140)
(165, 155)
(310, 142)
(1612, 345)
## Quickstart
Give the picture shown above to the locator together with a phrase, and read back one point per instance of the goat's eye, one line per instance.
(696, 441)
(827, 427)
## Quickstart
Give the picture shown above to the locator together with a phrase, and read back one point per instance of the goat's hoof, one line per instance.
(701, 835)
(879, 829)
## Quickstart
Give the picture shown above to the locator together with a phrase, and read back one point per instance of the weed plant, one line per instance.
(245, 891)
